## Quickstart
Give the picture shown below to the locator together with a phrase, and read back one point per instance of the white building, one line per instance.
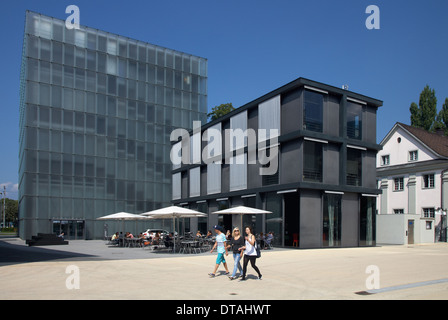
(412, 174)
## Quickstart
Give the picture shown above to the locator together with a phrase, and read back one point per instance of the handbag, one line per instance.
(257, 248)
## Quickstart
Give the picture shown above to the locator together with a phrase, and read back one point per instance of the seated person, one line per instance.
(269, 238)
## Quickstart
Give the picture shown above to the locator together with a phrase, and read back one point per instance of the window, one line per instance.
(398, 211)
(399, 184)
(332, 220)
(213, 178)
(385, 160)
(269, 118)
(354, 120)
(428, 225)
(313, 111)
(413, 155)
(238, 122)
(312, 161)
(354, 167)
(176, 186)
(195, 182)
(238, 172)
(428, 212)
(428, 181)
(367, 222)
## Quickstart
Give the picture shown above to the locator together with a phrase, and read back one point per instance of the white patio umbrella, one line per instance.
(242, 210)
(122, 216)
(173, 212)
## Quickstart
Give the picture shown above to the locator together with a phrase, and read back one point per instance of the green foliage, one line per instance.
(424, 114)
(442, 118)
(220, 110)
(12, 210)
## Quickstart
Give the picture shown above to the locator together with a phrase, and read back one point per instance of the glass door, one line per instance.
(69, 229)
(274, 220)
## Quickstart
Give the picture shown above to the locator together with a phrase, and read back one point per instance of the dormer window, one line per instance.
(385, 160)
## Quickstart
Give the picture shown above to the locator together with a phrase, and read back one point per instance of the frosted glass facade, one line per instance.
(96, 113)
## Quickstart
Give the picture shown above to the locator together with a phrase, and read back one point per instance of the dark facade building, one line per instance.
(96, 113)
(322, 192)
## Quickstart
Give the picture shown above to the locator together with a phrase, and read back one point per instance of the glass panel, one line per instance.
(332, 220)
(367, 229)
(45, 49)
(274, 221)
(354, 167)
(312, 161)
(56, 74)
(354, 120)
(56, 118)
(69, 55)
(313, 111)
(80, 58)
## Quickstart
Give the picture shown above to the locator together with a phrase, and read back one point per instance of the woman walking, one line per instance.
(236, 243)
(250, 253)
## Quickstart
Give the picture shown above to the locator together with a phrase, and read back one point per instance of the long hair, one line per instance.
(250, 228)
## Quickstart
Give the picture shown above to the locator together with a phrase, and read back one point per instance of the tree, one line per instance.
(220, 110)
(442, 118)
(424, 114)
(12, 210)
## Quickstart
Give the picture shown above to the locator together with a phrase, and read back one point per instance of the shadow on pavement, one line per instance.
(17, 253)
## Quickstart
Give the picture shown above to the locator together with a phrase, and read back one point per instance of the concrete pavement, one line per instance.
(134, 273)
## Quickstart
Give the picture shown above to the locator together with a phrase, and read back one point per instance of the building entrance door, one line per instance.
(410, 231)
(72, 229)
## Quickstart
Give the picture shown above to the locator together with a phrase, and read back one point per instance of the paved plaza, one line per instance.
(401, 272)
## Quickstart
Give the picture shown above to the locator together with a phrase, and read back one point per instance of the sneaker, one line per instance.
(259, 277)
(211, 275)
(232, 278)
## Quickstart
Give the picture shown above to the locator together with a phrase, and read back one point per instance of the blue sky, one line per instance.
(255, 46)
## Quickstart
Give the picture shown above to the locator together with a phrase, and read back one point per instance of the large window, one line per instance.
(367, 227)
(274, 221)
(195, 182)
(354, 120)
(238, 172)
(354, 167)
(313, 111)
(332, 220)
(269, 118)
(312, 161)
(213, 178)
(177, 186)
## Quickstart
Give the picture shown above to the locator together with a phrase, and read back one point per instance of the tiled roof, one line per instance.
(438, 143)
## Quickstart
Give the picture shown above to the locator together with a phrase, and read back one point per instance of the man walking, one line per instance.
(220, 245)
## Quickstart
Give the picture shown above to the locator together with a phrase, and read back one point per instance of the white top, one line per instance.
(250, 249)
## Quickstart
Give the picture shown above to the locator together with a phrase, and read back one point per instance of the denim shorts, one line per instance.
(220, 258)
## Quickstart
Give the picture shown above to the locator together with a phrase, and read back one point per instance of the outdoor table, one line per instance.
(188, 245)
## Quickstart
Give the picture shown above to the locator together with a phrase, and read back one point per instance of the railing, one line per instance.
(353, 180)
(312, 175)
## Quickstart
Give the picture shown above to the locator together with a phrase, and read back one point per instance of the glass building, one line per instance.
(96, 113)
